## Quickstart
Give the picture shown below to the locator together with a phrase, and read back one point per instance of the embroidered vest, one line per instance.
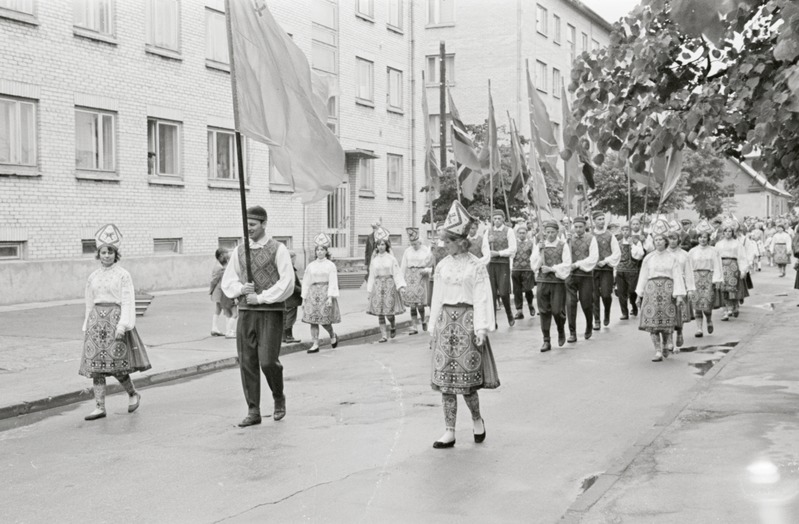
(521, 260)
(497, 241)
(553, 255)
(264, 273)
(581, 248)
(603, 242)
(627, 264)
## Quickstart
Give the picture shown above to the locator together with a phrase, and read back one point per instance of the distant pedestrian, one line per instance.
(223, 306)
(684, 313)
(370, 247)
(261, 310)
(708, 277)
(112, 346)
(462, 314)
(384, 286)
(734, 265)
(416, 266)
(632, 254)
(320, 293)
(292, 303)
(779, 246)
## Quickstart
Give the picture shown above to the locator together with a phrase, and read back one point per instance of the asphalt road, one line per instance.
(356, 445)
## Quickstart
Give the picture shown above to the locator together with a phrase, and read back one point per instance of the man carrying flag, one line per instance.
(609, 256)
(500, 242)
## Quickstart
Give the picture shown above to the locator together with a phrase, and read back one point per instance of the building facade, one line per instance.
(121, 111)
(751, 194)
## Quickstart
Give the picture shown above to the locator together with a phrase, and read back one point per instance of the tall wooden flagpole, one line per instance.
(442, 104)
(240, 167)
(490, 172)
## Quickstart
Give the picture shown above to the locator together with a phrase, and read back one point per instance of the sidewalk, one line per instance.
(729, 452)
(40, 347)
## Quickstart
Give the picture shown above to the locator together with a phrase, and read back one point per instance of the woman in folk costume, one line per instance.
(795, 249)
(385, 285)
(111, 347)
(416, 266)
(756, 236)
(462, 314)
(661, 292)
(685, 313)
(320, 293)
(734, 264)
(522, 275)
(708, 277)
(767, 234)
(780, 245)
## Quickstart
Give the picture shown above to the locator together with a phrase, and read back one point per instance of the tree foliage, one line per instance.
(704, 173)
(687, 72)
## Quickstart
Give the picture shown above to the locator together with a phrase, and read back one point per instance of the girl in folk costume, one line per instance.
(320, 293)
(416, 266)
(767, 234)
(223, 305)
(734, 264)
(756, 236)
(111, 347)
(462, 314)
(522, 275)
(661, 292)
(385, 284)
(708, 277)
(779, 246)
(685, 314)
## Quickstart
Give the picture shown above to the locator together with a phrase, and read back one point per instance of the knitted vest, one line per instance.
(553, 255)
(627, 264)
(580, 248)
(497, 241)
(603, 241)
(264, 273)
(521, 260)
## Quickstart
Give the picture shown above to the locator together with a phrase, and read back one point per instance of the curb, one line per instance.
(616, 469)
(164, 377)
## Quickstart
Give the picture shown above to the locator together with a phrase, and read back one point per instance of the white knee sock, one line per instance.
(215, 323)
(231, 327)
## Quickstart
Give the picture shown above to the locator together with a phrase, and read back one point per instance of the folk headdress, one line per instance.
(108, 235)
(660, 228)
(704, 227)
(413, 233)
(458, 222)
(381, 233)
(322, 240)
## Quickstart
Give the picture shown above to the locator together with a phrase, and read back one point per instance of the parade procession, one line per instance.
(596, 252)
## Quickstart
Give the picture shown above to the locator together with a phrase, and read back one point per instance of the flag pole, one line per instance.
(240, 167)
(442, 104)
(629, 195)
(490, 173)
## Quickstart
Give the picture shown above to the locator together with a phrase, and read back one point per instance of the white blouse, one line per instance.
(731, 248)
(661, 264)
(422, 257)
(706, 258)
(463, 279)
(384, 265)
(112, 285)
(320, 271)
(686, 268)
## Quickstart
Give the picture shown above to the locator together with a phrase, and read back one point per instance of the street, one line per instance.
(356, 445)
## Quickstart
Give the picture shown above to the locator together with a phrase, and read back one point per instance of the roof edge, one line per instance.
(593, 15)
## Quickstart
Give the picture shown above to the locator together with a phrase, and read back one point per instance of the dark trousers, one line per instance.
(603, 290)
(499, 278)
(289, 319)
(625, 290)
(579, 288)
(258, 338)
(551, 303)
(523, 282)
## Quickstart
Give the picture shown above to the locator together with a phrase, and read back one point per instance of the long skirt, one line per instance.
(459, 365)
(705, 294)
(103, 354)
(384, 298)
(416, 285)
(658, 311)
(731, 288)
(781, 256)
(315, 309)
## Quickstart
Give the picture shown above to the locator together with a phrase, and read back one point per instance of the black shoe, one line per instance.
(597, 327)
(424, 326)
(519, 315)
(735, 313)
(313, 349)
(606, 321)
(624, 317)
(680, 340)
(562, 339)
(546, 347)
(588, 334)
(250, 420)
(443, 445)
(511, 322)
(413, 332)
(572, 338)
(291, 340)
(392, 332)
(280, 409)
(480, 437)
(334, 341)
(635, 311)
(95, 416)
(532, 310)
(133, 407)
(710, 327)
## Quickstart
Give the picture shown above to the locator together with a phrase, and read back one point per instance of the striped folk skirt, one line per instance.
(731, 287)
(416, 287)
(658, 311)
(315, 309)
(103, 354)
(384, 298)
(459, 365)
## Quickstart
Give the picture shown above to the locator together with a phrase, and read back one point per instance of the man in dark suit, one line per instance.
(292, 303)
(370, 246)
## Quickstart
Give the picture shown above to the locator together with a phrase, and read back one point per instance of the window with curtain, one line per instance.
(163, 151)
(222, 157)
(395, 14)
(94, 15)
(163, 24)
(366, 174)
(366, 8)
(541, 19)
(324, 49)
(364, 81)
(556, 29)
(394, 164)
(94, 140)
(394, 94)
(433, 73)
(216, 37)
(17, 132)
(584, 42)
(556, 82)
(571, 39)
(440, 12)
(541, 76)
(325, 13)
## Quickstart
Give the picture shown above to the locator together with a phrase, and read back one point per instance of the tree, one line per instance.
(704, 173)
(684, 72)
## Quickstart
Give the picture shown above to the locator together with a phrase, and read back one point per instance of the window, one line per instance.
(11, 250)
(325, 13)
(440, 12)
(94, 15)
(365, 8)
(394, 163)
(223, 162)
(163, 148)
(366, 174)
(286, 241)
(435, 128)
(571, 39)
(166, 246)
(364, 80)
(584, 43)
(229, 243)
(394, 94)
(94, 140)
(362, 240)
(556, 82)
(556, 23)
(216, 37)
(88, 247)
(541, 19)
(395, 14)
(17, 132)
(163, 24)
(337, 208)
(541, 76)
(433, 70)
(324, 49)
(396, 240)
(594, 45)
(20, 6)
(332, 114)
